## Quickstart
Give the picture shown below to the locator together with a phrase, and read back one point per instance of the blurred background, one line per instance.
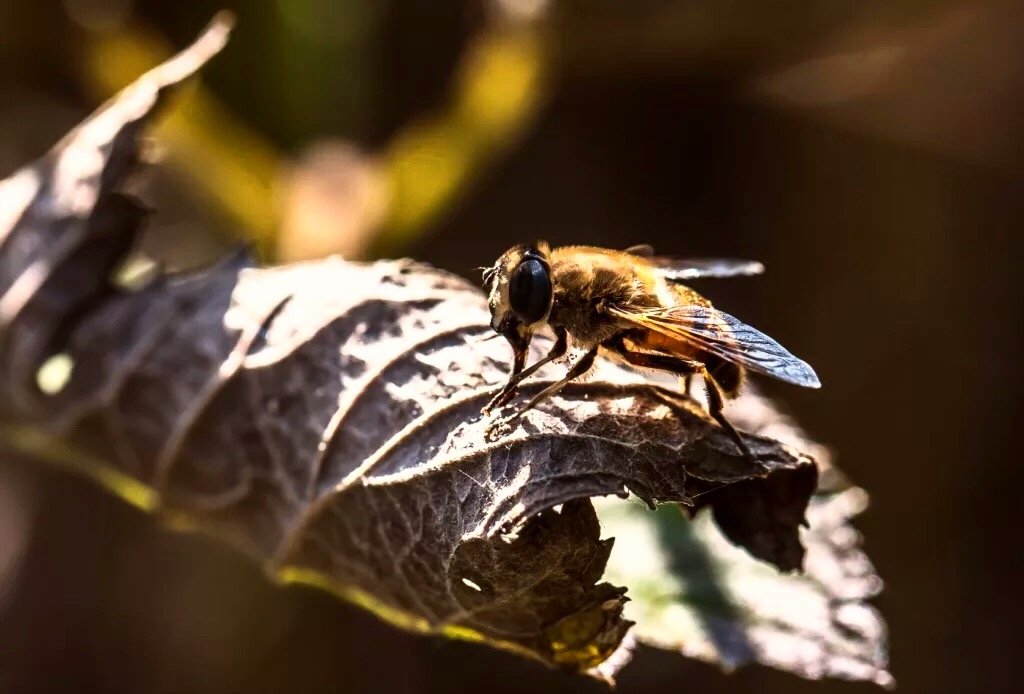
(870, 152)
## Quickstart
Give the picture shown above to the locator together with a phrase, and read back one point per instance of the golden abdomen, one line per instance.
(650, 341)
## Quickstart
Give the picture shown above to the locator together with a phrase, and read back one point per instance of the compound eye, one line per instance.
(529, 291)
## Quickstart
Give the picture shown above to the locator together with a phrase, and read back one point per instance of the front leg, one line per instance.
(582, 366)
(519, 374)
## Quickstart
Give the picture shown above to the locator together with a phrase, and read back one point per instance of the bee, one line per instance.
(631, 306)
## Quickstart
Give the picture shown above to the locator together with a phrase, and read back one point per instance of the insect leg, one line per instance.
(520, 346)
(578, 369)
(519, 374)
(685, 368)
(715, 407)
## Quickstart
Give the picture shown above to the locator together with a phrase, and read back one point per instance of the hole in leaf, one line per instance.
(54, 374)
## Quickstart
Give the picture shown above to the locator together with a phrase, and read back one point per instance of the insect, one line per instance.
(631, 306)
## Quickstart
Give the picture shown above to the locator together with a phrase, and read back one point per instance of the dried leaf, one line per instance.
(324, 417)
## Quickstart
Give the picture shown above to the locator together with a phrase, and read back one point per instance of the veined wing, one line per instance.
(725, 336)
(683, 269)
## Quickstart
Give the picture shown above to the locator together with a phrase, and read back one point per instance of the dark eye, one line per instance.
(529, 290)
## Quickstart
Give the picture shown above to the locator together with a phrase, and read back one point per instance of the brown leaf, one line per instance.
(693, 592)
(325, 417)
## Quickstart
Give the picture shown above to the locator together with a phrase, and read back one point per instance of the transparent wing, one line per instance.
(682, 269)
(727, 337)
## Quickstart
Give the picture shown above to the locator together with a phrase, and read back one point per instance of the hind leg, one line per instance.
(685, 368)
(715, 406)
